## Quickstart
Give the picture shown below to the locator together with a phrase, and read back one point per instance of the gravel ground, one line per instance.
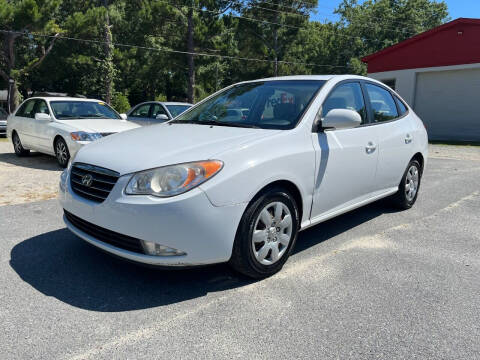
(373, 283)
(35, 177)
(26, 179)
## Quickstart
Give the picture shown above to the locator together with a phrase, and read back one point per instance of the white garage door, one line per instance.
(449, 104)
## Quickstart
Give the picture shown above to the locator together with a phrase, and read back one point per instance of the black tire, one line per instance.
(17, 145)
(61, 152)
(243, 258)
(400, 199)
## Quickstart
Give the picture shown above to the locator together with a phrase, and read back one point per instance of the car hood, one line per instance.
(100, 125)
(165, 144)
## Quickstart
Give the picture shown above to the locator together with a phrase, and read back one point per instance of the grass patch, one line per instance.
(3, 139)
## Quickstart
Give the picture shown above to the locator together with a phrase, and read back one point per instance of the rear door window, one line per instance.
(382, 103)
(401, 106)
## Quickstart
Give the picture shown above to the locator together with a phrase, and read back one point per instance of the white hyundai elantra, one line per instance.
(237, 176)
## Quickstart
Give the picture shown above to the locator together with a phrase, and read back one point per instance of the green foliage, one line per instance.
(161, 97)
(147, 72)
(120, 102)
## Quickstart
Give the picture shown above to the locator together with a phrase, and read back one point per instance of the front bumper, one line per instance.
(74, 146)
(3, 128)
(187, 222)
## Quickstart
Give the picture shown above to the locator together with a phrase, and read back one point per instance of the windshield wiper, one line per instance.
(215, 123)
(94, 116)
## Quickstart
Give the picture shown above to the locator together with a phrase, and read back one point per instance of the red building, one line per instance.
(438, 73)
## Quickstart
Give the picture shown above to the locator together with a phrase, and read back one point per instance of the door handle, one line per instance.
(408, 139)
(370, 148)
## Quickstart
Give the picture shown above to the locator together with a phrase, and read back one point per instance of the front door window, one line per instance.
(346, 96)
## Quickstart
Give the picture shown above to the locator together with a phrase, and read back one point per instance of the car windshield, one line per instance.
(277, 104)
(68, 109)
(176, 110)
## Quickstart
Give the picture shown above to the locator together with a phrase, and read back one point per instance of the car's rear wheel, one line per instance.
(18, 147)
(408, 189)
(266, 234)
(61, 152)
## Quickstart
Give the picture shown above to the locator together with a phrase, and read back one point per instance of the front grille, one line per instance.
(106, 134)
(92, 182)
(107, 236)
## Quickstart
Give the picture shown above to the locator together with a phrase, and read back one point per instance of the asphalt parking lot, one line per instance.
(373, 283)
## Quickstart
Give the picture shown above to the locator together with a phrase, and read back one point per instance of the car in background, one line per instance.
(206, 188)
(155, 112)
(3, 122)
(60, 126)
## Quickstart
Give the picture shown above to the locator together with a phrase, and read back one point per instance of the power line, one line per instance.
(170, 50)
(330, 15)
(286, 25)
(278, 11)
(237, 16)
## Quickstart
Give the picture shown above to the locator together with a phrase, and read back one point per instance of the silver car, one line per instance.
(154, 112)
(3, 122)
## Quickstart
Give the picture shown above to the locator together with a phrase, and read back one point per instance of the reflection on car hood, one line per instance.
(100, 125)
(166, 144)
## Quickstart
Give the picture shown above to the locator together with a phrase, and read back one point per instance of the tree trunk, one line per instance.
(9, 54)
(190, 59)
(13, 97)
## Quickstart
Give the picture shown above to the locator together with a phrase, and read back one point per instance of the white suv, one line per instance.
(60, 126)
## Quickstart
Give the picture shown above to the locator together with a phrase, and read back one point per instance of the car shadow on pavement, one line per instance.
(60, 265)
(34, 160)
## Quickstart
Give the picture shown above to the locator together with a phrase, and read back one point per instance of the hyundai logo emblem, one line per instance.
(87, 180)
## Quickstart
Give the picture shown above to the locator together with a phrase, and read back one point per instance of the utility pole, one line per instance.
(108, 61)
(190, 59)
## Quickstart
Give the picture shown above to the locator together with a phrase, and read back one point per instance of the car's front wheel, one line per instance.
(409, 186)
(61, 153)
(266, 234)
(17, 145)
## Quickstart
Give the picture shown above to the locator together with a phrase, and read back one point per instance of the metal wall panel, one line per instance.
(449, 104)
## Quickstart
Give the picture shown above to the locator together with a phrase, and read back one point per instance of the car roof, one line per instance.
(174, 103)
(62, 98)
(310, 77)
(164, 103)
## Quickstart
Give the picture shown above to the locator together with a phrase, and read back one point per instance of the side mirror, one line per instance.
(124, 116)
(43, 117)
(162, 117)
(341, 119)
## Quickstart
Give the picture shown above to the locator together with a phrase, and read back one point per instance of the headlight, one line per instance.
(84, 136)
(172, 180)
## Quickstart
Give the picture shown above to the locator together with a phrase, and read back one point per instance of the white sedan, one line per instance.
(60, 126)
(155, 112)
(201, 190)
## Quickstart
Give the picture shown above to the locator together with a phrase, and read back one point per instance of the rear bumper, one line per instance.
(188, 222)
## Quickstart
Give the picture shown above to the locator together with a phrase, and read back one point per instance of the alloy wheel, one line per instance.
(17, 145)
(61, 150)
(411, 183)
(272, 233)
